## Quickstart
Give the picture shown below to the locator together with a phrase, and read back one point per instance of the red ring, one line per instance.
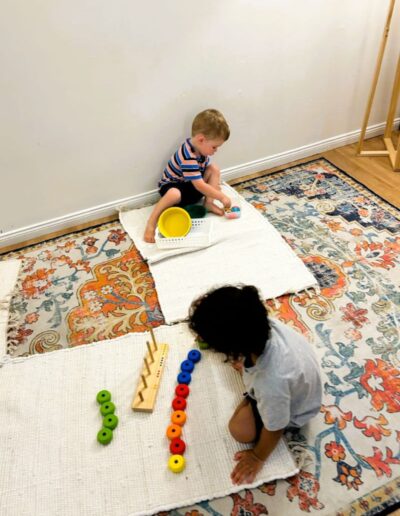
(182, 390)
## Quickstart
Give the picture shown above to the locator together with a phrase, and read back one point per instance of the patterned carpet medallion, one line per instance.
(94, 285)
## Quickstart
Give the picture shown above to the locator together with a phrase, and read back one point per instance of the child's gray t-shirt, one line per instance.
(285, 381)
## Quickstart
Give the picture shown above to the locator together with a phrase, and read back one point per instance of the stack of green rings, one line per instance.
(110, 420)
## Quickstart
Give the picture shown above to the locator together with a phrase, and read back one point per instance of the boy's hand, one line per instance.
(226, 201)
(247, 467)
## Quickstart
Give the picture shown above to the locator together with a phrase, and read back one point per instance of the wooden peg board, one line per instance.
(153, 379)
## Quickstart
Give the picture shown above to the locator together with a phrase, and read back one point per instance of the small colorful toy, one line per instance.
(176, 463)
(178, 417)
(105, 436)
(184, 377)
(107, 408)
(179, 403)
(194, 356)
(187, 366)
(173, 431)
(177, 446)
(110, 420)
(233, 212)
(182, 390)
(103, 396)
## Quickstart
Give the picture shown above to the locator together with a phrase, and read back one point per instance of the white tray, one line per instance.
(198, 236)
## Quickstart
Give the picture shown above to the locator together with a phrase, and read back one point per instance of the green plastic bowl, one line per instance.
(196, 211)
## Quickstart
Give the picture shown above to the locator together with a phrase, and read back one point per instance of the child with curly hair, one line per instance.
(279, 368)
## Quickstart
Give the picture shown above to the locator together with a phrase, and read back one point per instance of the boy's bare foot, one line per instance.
(149, 234)
(210, 206)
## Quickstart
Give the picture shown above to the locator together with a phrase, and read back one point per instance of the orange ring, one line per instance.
(174, 431)
(178, 417)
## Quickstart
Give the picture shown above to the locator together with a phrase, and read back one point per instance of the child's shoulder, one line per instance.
(285, 336)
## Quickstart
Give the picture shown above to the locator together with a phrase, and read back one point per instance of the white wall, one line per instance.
(95, 95)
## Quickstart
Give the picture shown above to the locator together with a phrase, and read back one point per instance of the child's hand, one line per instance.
(226, 201)
(247, 468)
(238, 365)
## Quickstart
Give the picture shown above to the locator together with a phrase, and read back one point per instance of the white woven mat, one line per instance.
(247, 250)
(9, 270)
(52, 464)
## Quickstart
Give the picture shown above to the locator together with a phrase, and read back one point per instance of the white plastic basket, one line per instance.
(198, 236)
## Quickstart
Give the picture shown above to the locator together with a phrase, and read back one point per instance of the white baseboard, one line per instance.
(11, 238)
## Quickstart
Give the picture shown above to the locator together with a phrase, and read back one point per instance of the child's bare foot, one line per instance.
(210, 206)
(149, 234)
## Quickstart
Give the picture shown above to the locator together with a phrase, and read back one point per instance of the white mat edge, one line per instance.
(220, 494)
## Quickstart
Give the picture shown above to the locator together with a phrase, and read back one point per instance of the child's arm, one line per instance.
(251, 461)
(209, 191)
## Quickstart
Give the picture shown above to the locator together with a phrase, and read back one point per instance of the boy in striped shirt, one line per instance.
(189, 176)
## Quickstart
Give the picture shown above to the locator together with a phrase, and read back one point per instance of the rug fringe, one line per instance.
(14, 319)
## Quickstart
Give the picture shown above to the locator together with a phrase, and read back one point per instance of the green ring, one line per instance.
(105, 436)
(103, 396)
(110, 421)
(107, 408)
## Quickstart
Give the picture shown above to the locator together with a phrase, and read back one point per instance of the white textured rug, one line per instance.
(9, 270)
(247, 250)
(52, 464)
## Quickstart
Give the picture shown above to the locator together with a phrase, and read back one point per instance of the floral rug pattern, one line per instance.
(94, 285)
(84, 288)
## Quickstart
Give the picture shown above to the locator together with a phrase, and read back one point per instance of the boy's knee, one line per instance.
(173, 195)
(240, 433)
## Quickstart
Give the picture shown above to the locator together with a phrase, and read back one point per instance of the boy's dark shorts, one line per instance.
(257, 417)
(189, 194)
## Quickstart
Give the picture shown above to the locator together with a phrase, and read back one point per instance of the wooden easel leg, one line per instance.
(393, 103)
(376, 75)
(397, 159)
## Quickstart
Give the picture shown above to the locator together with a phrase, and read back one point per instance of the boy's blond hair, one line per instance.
(212, 124)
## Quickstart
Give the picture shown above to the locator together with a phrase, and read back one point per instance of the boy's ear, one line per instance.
(201, 138)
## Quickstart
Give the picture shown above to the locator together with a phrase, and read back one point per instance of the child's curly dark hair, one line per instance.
(232, 320)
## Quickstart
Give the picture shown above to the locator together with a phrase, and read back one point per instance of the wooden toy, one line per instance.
(107, 408)
(182, 390)
(110, 421)
(194, 355)
(187, 366)
(177, 446)
(174, 431)
(176, 463)
(178, 417)
(184, 378)
(103, 396)
(179, 403)
(150, 377)
(105, 436)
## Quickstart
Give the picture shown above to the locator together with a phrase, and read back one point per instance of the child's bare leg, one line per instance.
(242, 425)
(171, 197)
(212, 176)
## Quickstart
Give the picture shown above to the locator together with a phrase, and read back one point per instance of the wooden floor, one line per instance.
(376, 173)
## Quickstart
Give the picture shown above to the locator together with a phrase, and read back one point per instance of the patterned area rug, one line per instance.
(94, 285)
